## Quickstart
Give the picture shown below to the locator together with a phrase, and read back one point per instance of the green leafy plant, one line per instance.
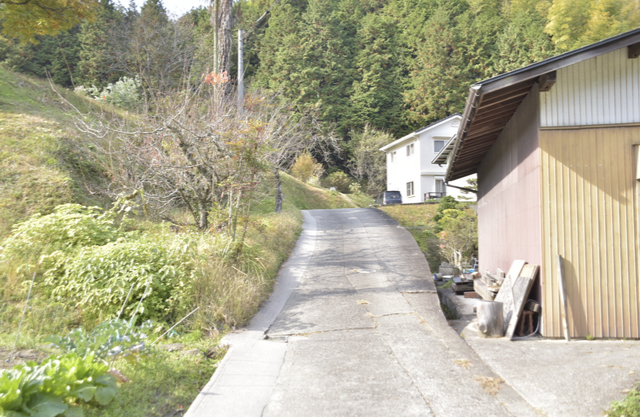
(629, 407)
(124, 93)
(111, 339)
(57, 387)
(98, 278)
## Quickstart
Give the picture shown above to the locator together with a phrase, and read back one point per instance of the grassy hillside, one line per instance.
(38, 166)
(41, 167)
(298, 196)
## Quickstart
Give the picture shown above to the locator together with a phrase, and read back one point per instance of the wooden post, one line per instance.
(490, 319)
(563, 298)
(240, 70)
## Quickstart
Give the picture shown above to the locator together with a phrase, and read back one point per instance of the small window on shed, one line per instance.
(438, 145)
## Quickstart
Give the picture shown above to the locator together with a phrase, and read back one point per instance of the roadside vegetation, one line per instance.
(445, 232)
(101, 275)
(629, 407)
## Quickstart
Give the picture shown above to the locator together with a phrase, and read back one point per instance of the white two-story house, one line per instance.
(409, 162)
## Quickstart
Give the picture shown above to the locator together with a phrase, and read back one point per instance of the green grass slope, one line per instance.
(39, 168)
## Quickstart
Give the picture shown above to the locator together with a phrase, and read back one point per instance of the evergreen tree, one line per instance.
(437, 79)
(523, 42)
(57, 55)
(97, 49)
(377, 97)
(307, 57)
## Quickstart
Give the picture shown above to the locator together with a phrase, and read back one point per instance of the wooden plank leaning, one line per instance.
(505, 294)
(520, 292)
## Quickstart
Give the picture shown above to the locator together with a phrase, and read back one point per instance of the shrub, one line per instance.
(306, 167)
(97, 279)
(124, 93)
(339, 180)
(69, 226)
(458, 235)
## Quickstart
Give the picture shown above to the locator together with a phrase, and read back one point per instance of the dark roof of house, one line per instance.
(492, 102)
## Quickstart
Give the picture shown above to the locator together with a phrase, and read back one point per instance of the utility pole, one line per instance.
(240, 71)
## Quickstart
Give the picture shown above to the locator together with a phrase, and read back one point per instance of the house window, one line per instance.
(410, 149)
(410, 189)
(440, 187)
(438, 145)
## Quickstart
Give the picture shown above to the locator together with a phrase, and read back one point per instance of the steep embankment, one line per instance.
(40, 167)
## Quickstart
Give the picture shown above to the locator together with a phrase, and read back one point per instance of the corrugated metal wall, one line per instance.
(590, 217)
(600, 90)
(509, 214)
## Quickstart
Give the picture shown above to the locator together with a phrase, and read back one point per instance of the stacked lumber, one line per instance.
(510, 290)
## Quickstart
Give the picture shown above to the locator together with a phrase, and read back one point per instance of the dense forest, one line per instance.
(394, 65)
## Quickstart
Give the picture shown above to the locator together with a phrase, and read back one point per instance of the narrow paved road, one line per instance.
(359, 332)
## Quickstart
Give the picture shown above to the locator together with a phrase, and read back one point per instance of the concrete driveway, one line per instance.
(354, 328)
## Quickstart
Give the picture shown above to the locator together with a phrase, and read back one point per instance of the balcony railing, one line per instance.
(434, 194)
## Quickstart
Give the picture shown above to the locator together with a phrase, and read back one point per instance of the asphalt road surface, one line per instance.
(354, 328)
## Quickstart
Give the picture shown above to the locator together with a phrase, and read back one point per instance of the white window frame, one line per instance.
(410, 189)
(434, 145)
(410, 149)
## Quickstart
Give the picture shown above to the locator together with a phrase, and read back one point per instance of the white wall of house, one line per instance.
(597, 91)
(416, 168)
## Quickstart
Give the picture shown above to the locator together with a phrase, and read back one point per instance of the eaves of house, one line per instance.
(418, 132)
(492, 102)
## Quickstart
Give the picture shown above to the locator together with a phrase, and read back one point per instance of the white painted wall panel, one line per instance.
(599, 91)
(418, 167)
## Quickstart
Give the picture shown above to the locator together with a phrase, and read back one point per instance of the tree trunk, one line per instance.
(203, 214)
(279, 195)
(225, 36)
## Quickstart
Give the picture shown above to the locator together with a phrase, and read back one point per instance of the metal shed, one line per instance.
(555, 145)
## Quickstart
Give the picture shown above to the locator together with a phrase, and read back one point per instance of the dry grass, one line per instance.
(490, 385)
(230, 292)
(463, 363)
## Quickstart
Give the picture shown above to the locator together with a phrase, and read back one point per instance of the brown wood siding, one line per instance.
(590, 217)
(509, 213)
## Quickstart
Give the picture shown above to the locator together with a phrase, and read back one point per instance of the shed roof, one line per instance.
(417, 132)
(492, 102)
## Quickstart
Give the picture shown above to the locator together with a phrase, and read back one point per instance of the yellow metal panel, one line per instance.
(590, 215)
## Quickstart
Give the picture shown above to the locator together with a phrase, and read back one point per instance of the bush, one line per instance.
(69, 226)
(458, 235)
(306, 167)
(97, 279)
(124, 93)
(339, 180)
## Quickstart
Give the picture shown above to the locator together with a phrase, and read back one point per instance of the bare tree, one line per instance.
(190, 149)
(154, 47)
(367, 162)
